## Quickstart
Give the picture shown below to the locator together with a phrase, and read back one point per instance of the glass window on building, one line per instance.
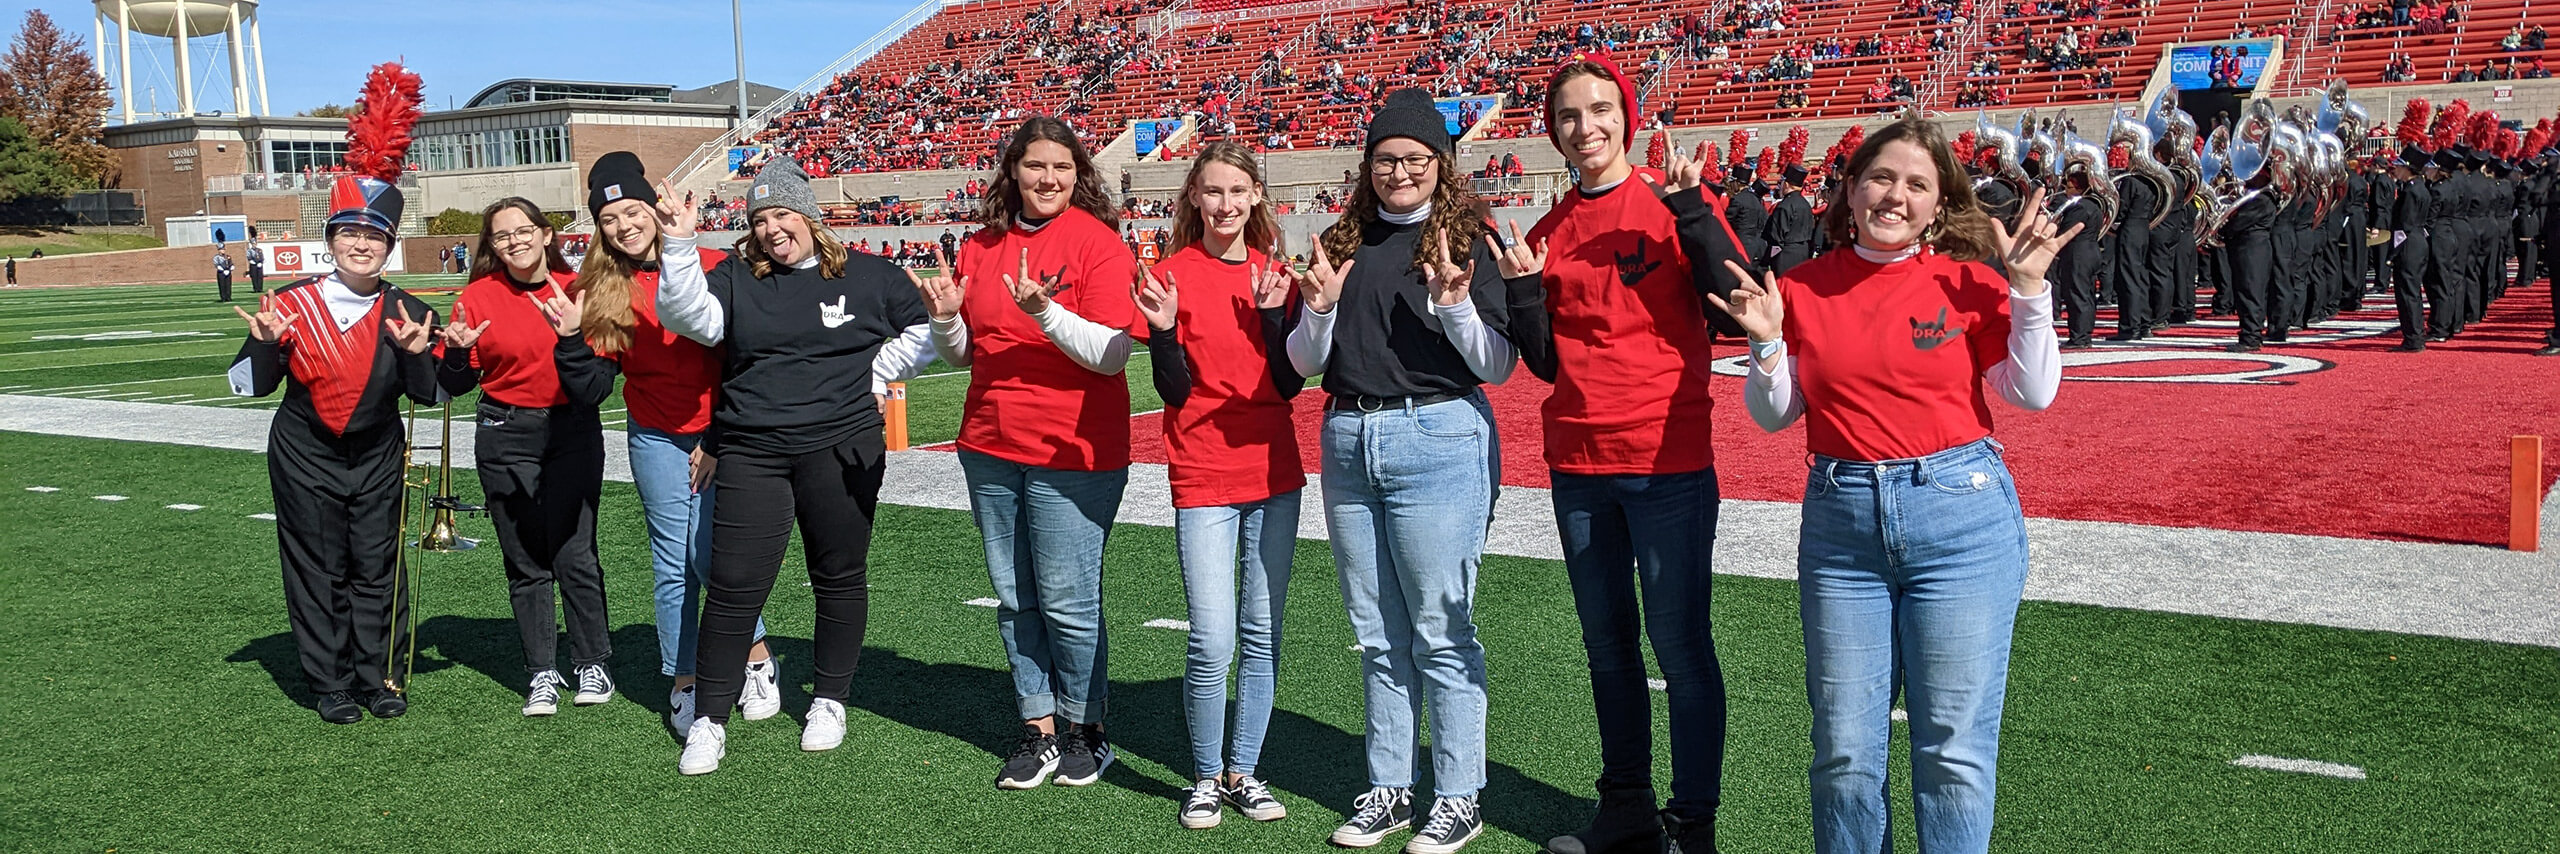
(295, 155)
(492, 149)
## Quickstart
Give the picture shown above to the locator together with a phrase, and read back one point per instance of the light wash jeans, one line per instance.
(679, 539)
(1408, 494)
(1044, 530)
(1910, 573)
(1211, 539)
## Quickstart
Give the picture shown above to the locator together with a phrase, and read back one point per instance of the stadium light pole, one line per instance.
(738, 32)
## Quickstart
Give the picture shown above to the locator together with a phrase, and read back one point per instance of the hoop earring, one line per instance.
(1930, 234)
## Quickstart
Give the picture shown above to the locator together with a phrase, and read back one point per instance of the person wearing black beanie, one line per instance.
(1404, 313)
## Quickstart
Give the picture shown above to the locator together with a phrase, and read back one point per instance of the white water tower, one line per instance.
(179, 21)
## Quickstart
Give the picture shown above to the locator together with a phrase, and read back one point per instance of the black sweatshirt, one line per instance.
(798, 351)
(1386, 341)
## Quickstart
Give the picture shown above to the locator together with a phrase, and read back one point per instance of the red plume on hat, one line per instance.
(1768, 161)
(2537, 139)
(1840, 152)
(2483, 131)
(1739, 147)
(1791, 152)
(2447, 129)
(1711, 167)
(378, 127)
(2413, 123)
(1965, 148)
(1657, 153)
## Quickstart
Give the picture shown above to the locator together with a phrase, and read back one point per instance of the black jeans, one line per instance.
(834, 494)
(1659, 531)
(543, 470)
(2409, 287)
(2251, 268)
(337, 533)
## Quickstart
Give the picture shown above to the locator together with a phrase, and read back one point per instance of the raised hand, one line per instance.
(1684, 173)
(674, 221)
(460, 334)
(1755, 305)
(268, 324)
(941, 293)
(1029, 292)
(411, 334)
(1270, 285)
(1450, 282)
(1518, 259)
(1321, 284)
(1156, 297)
(2028, 250)
(565, 312)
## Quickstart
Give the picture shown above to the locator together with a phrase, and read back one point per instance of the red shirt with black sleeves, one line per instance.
(1028, 403)
(1890, 358)
(514, 355)
(1231, 441)
(670, 381)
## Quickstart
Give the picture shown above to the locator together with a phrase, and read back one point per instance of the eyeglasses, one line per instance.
(1414, 163)
(526, 234)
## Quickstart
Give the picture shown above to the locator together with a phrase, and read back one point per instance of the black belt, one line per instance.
(1374, 403)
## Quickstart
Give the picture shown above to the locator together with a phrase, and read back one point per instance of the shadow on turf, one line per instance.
(489, 647)
(1301, 755)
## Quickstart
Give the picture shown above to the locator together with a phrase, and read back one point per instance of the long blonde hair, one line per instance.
(1261, 227)
(606, 281)
(1453, 211)
(831, 252)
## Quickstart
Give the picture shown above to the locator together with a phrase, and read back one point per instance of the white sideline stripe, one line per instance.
(983, 602)
(1657, 684)
(109, 497)
(1177, 625)
(165, 397)
(2434, 589)
(114, 395)
(270, 517)
(2300, 766)
(44, 489)
(186, 506)
(14, 387)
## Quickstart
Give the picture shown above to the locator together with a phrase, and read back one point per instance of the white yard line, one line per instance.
(1176, 625)
(982, 602)
(2300, 766)
(117, 385)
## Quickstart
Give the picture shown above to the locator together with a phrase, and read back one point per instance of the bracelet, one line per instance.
(1762, 350)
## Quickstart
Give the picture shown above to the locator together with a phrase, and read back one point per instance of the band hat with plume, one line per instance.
(377, 144)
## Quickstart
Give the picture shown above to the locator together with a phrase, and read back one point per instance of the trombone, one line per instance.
(435, 516)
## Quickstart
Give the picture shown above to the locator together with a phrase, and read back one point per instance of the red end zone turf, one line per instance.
(2330, 434)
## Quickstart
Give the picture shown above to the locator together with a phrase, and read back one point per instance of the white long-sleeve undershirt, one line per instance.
(1488, 355)
(900, 359)
(2029, 379)
(1311, 344)
(685, 306)
(1092, 346)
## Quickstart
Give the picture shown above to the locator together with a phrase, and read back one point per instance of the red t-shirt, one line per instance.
(670, 381)
(1632, 359)
(1231, 442)
(514, 355)
(1890, 357)
(1028, 403)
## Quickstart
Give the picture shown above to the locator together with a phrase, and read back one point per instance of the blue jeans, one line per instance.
(679, 539)
(1910, 573)
(1659, 531)
(1211, 539)
(1044, 530)
(1408, 495)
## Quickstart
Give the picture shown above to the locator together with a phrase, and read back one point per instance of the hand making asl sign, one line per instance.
(564, 311)
(461, 333)
(1031, 294)
(1270, 284)
(1517, 259)
(1449, 282)
(2029, 249)
(942, 294)
(1156, 297)
(1684, 173)
(269, 324)
(1321, 284)
(674, 221)
(411, 334)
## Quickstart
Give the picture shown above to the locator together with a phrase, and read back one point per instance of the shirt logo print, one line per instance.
(1927, 336)
(1054, 284)
(834, 315)
(1633, 268)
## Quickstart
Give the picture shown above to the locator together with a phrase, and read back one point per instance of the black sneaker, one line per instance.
(339, 707)
(385, 704)
(1374, 815)
(1253, 798)
(1203, 808)
(1033, 758)
(1453, 823)
(1082, 756)
(1688, 837)
(2553, 350)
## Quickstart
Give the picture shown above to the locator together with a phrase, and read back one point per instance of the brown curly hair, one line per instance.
(1453, 212)
(1004, 194)
(1962, 231)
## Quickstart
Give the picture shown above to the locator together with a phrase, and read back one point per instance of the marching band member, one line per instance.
(346, 346)
(669, 383)
(1889, 353)
(1614, 319)
(795, 434)
(1217, 312)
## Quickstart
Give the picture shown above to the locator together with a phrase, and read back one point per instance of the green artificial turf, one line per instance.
(154, 698)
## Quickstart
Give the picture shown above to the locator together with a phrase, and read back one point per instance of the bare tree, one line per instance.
(49, 84)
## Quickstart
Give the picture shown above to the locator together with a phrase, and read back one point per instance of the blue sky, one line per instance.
(319, 51)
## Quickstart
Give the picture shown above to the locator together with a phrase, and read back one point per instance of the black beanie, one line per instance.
(1410, 113)
(616, 176)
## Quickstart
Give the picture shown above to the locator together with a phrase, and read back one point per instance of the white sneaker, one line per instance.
(680, 709)
(543, 698)
(826, 725)
(761, 696)
(705, 743)
(594, 685)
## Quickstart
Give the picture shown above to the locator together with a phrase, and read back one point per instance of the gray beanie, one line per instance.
(782, 184)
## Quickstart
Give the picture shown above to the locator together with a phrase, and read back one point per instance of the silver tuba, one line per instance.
(2006, 154)
(2077, 152)
(2138, 138)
